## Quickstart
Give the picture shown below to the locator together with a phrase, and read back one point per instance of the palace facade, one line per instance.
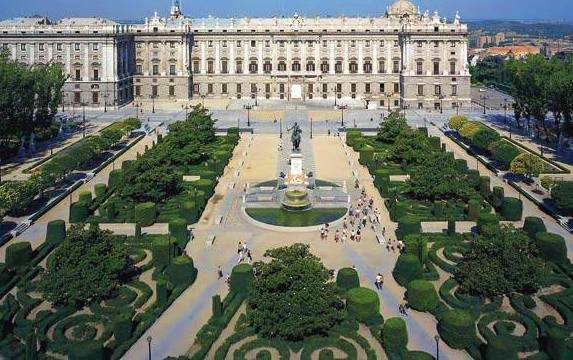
(404, 58)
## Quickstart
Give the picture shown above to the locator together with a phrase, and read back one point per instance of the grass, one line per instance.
(281, 217)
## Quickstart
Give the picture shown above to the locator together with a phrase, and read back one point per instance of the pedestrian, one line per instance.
(249, 256)
(344, 224)
(358, 235)
(219, 273)
(322, 233)
(343, 239)
(245, 246)
(377, 281)
(241, 257)
(381, 281)
(352, 235)
(402, 307)
(240, 247)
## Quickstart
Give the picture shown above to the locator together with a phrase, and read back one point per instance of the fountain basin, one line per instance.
(296, 200)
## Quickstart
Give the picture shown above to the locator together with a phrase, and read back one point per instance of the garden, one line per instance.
(291, 305)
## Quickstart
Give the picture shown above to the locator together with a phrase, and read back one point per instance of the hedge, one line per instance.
(79, 212)
(56, 231)
(457, 329)
(241, 278)
(417, 245)
(474, 209)
(204, 185)
(216, 306)
(511, 209)
(18, 254)
(418, 355)
(394, 335)
(484, 185)
(178, 229)
(552, 247)
(407, 269)
(85, 197)
(181, 271)
(161, 291)
(86, 350)
(461, 165)
(145, 214)
(366, 155)
(326, 354)
(451, 227)
(486, 219)
(189, 211)
(501, 348)
(533, 225)
(123, 327)
(100, 190)
(264, 355)
(408, 225)
(498, 196)
(422, 295)
(363, 304)
(115, 178)
(554, 344)
(347, 278)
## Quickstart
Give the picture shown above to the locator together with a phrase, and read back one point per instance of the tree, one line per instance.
(562, 193)
(484, 137)
(527, 164)
(148, 180)
(500, 261)
(391, 127)
(504, 152)
(456, 122)
(291, 296)
(411, 146)
(86, 267)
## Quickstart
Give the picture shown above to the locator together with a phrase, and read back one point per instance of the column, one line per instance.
(288, 56)
(31, 58)
(246, 57)
(232, 57)
(463, 57)
(203, 58)
(260, 57)
(389, 60)
(374, 45)
(332, 61)
(87, 62)
(360, 57)
(217, 58)
(445, 57)
(317, 59)
(303, 57)
(345, 63)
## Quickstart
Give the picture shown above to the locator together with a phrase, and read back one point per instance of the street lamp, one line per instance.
(105, 102)
(311, 128)
(149, 338)
(280, 128)
(441, 104)
(342, 108)
(152, 103)
(248, 108)
(256, 96)
(238, 126)
(505, 110)
(84, 119)
(335, 96)
(186, 108)
(203, 101)
(484, 97)
(437, 338)
(63, 101)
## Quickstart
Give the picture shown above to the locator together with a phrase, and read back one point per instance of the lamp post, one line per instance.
(342, 108)
(505, 110)
(248, 108)
(311, 128)
(84, 119)
(63, 102)
(238, 126)
(484, 97)
(388, 98)
(437, 338)
(186, 108)
(152, 103)
(441, 104)
(335, 96)
(280, 128)
(203, 101)
(457, 109)
(149, 338)
(256, 96)
(105, 102)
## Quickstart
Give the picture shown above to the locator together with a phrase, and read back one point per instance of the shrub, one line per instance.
(484, 138)
(486, 219)
(217, 306)
(85, 197)
(264, 355)
(110, 211)
(500, 348)
(145, 213)
(56, 232)
(189, 211)
(457, 328)
(472, 178)
(407, 269)
(100, 190)
(511, 209)
(484, 185)
(451, 227)
(504, 152)
(456, 122)
(422, 295)
(394, 335)
(418, 355)
(326, 354)
(528, 302)
(498, 196)
(181, 271)
(552, 247)
(382, 181)
(461, 165)
(18, 254)
(86, 350)
(435, 142)
(352, 136)
(161, 290)
(178, 229)
(408, 225)
(417, 245)
(115, 179)
(79, 212)
(204, 185)
(363, 304)
(438, 209)
(366, 155)
(533, 225)
(241, 278)
(123, 327)
(347, 278)
(547, 182)
(474, 208)
(470, 129)
(137, 232)
(562, 193)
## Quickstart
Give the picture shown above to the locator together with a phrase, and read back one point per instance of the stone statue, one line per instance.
(295, 137)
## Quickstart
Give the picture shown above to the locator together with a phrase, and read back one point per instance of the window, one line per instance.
(295, 44)
(367, 88)
(77, 97)
(267, 88)
(239, 44)
(254, 88)
(267, 43)
(267, 67)
(139, 69)
(196, 88)
(338, 67)
(310, 90)
(224, 88)
(324, 88)
(95, 47)
(59, 47)
(395, 43)
(367, 67)
(96, 75)
(282, 43)
(239, 89)
(436, 44)
(353, 67)
(311, 44)
(210, 67)
(338, 43)
(224, 44)
(78, 75)
(209, 88)
(138, 90)
(381, 43)
(396, 88)
(381, 66)
(95, 97)
(171, 90)
(353, 90)
(282, 66)
(396, 66)
(420, 90)
(224, 67)
(338, 89)
(154, 91)
(382, 91)
(77, 47)
(419, 44)
(41, 47)
(253, 67)
(310, 66)
(324, 67)
(437, 90)
(454, 90)
(419, 68)
(324, 43)
(155, 45)
(436, 68)
(172, 44)
(367, 43)
(23, 47)
(196, 67)
(282, 89)
(452, 67)
(172, 70)
(353, 43)
(155, 69)
(210, 43)
(253, 43)
(453, 44)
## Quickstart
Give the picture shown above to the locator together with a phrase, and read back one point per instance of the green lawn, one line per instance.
(281, 217)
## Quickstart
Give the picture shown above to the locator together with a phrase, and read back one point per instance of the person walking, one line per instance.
(240, 248)
(249, 257)
(219, 273)
(377, 282)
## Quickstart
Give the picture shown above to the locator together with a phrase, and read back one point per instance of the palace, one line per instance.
(401, 59)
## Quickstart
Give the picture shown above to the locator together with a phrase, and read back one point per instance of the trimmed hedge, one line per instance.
(115, 179)
(181, 271)
(457, 329)
(145, 213)
(178, 229)
(484, 185)
(162, 292)
(554, 344)
(451, 227)
(241, 278)
(422, 295)
(407, 269)
(100, 190)
(363, 304)
(418, 355)
(366, 155)
(189, 211)
(18, 254)
(347, 278)
(533, 225)
(417, 245)
(123, 327)
(408, 225)
(86, 350)
(511, 209)
(486, 219)
(56, 231)
(79, 212)
(204, 185)
(216, 306)
(501, 348)
(474, 209)
(552, 247)
(394, 335)
(497, 196)
(85, 197)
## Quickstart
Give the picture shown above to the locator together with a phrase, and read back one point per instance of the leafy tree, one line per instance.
(86, 267)
(527, 164)
(504, 152)
(456, 122)
(149, 180)
(500, 261)
(484, 137)
(17, 195)
(562, 193)
(392, 126)
(291, 297)
(411, 146)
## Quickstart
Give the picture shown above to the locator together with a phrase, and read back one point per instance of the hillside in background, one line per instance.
(543, 29)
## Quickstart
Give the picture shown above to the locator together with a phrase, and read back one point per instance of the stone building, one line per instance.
(404, 58)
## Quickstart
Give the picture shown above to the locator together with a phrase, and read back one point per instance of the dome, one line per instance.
(401, 8)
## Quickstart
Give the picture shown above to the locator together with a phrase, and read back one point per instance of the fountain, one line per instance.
(296, 195)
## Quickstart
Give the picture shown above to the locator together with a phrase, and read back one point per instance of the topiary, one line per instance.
(474, 209)
(451, 227)
(347, 278)
(498, 196)
(407, 269)
(145, 213)
(511, 209)
(189, 211)
(417, 245)
(552, 247)
(422, 295)
(115, 179)
(326, 354)
(79, 212)
(484, 185)
(363, 304)
(562, 193)
(178, 229)
(501, 348)
(241, 278)
(162, 292)
(394, 335)
(418, 355)
(18, 254)
(217, 306)
(486, 219)
(533, 225)
(123, 326)
(85, 197)
(181, 271)
(408, 225)
(86, 350)
(100, 190)
(56, 231)
(457, 328)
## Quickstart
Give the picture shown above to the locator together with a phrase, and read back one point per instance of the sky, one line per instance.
(561, 10)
